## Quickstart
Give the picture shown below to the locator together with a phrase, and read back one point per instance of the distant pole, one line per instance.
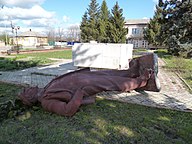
(16, 28)
(6, 34)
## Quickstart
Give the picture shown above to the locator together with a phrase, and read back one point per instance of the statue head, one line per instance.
(29, 96)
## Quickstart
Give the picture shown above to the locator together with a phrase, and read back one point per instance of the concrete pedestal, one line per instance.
(103, 56)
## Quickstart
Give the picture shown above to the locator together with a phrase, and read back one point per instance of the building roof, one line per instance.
(137, 21)
(31, 34)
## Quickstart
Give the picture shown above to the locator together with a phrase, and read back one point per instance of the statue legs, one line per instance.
(150, 61)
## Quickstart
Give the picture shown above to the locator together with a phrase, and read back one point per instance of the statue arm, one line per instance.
(63, 108)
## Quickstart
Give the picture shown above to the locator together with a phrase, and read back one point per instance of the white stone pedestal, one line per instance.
(103, 56)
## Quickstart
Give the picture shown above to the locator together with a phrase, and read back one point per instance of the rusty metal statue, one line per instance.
(66, 93)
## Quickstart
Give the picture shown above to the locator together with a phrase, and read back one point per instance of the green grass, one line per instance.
(181, 65)
(139, 50)
(103, 122)
(65, 54)
(22, 61)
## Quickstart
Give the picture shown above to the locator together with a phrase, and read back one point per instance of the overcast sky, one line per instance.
(41, 15)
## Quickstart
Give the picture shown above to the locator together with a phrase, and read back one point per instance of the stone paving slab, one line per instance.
(172, 96)
(38, 76)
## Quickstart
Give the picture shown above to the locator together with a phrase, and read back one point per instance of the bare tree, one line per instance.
(73, 33)
(51, 34)
(60, 34)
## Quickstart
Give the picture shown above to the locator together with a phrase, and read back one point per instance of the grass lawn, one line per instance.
(181, 65)
(103, 122)
(44, 56)
(22, 61)
(139, 50)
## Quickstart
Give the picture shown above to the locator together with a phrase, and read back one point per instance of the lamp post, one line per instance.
(16, 28)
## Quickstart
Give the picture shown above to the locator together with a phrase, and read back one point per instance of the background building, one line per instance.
(30, 39)
(2, 44)
(135, 32)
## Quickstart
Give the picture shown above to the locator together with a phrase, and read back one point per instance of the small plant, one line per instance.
(13, 64)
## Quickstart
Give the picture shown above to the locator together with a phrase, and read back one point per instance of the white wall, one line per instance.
(60, 43)
(107, 56)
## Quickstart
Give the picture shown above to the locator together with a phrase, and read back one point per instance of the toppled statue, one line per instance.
(66, 93)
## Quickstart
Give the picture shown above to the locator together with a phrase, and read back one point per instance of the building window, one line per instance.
(143, 44)
(135, 31)
(135, 44)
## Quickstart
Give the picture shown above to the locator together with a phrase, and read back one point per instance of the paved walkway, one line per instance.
(173, 94)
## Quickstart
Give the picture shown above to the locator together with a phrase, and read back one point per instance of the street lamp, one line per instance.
(16, 28)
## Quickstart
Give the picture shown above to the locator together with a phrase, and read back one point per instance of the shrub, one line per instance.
(13, 64)
(186, 50)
